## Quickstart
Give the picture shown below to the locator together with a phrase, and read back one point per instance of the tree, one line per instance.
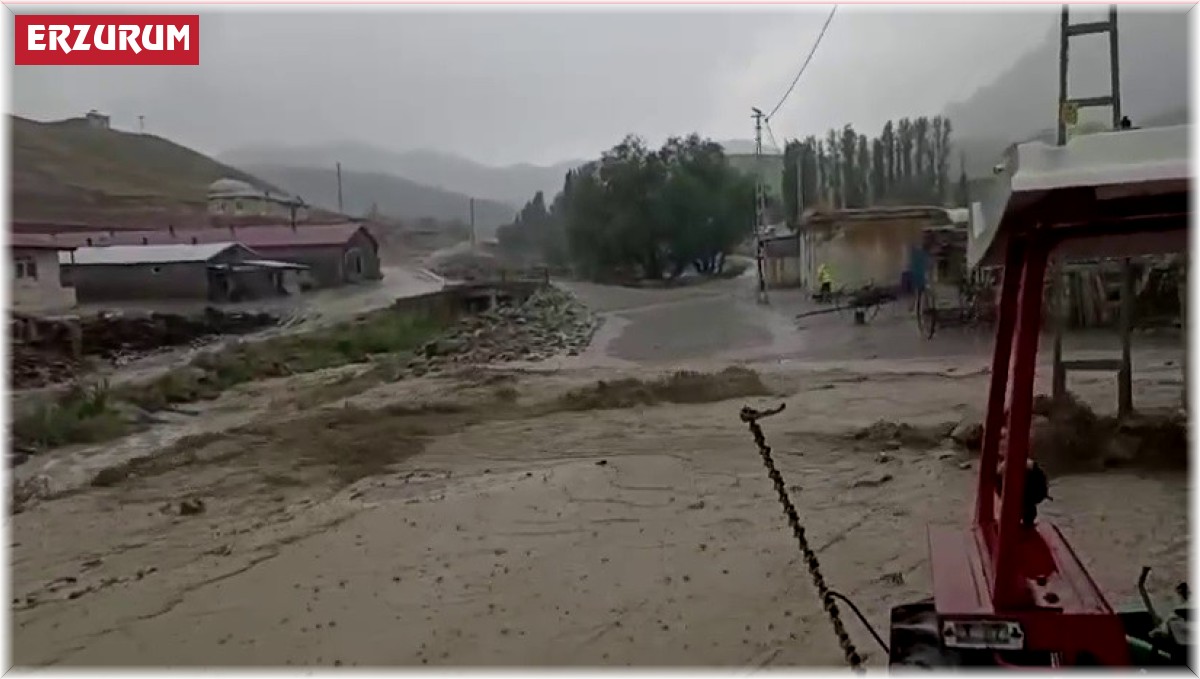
(879, 183)
(792, 160)
(962, 196)
(904, 140)
(921, 165)
(836, 197)
(888, 140)
(637, 212)
(942, 159)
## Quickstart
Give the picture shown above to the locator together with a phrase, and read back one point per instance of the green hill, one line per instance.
(67, 170)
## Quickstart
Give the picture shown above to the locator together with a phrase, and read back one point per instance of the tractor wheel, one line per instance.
(926, 313)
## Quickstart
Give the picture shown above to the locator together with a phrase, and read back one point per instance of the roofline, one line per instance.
(1133, 168)
(228, 246)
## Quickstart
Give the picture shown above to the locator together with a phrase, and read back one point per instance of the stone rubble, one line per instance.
(121, 338)
(550, 322)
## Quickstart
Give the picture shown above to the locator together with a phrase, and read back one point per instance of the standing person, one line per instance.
(825, 279)
(918, 258)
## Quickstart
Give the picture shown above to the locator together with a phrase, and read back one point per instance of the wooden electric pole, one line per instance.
(472, 205)
(339, 187)
(759, 208)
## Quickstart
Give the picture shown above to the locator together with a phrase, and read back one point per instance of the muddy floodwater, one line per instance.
(590, 510)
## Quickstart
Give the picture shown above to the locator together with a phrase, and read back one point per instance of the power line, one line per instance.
(772, 136)
(807, 59)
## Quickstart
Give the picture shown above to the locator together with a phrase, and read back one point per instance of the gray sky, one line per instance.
(541, 85)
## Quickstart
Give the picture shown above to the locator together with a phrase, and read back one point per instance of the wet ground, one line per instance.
(504, 517)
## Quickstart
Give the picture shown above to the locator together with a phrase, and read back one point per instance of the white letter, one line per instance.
(80, 45)
(58, 36)
(99, 41)
(129, 39)
(177, 34)
(154, 45)
(36, 35)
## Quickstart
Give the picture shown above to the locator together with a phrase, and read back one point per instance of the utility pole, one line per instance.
(472, 204)
(141, 124)
(339, 181)
(759, 208)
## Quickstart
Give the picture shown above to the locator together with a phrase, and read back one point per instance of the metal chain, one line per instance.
(751, 417)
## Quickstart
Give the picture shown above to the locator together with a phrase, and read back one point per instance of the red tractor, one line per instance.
(1009, 590)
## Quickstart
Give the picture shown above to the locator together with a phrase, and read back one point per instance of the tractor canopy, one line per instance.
(1121, 193)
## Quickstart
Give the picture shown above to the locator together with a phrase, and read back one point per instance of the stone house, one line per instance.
(868, 246)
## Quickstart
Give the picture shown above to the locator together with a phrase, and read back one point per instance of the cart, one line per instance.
(864, 304)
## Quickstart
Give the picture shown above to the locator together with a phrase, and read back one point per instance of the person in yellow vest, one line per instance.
(825, 280)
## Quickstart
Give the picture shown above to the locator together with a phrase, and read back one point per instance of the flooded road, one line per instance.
(570, 513)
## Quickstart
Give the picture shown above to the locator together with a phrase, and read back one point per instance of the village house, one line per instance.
(211, 272)
(868, 246)
(333, 254)
(37, 279)
(236, 198)
(98, 120)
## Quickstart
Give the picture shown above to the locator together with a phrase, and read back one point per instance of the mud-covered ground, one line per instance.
(588, 510)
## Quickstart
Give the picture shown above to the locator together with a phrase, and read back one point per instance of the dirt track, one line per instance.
(486, 519)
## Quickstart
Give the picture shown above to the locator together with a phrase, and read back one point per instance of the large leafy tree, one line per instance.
(643, 212)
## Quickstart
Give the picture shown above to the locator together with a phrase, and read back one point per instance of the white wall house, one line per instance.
(236, 198)
(37, 285)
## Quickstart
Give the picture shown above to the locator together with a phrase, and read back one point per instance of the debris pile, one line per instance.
(33, 367)
(1068, 436)
(463, 262)
(48, 355)
(118, 337)
(895, 435)
(547, 323)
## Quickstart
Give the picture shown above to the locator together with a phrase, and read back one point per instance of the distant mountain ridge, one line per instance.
(1021, 103)
(393, 196)
(512, 184)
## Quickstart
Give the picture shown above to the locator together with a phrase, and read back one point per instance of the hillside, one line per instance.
(68, 171)
(1020, 104)
(513, 184)
(394, 196)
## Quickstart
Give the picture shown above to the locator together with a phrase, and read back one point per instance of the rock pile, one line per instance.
(33, 368)
(48, 357)
(548, 323)
(1067, 437)
(121, 336)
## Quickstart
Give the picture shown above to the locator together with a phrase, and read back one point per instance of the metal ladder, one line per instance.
(1068, 109)
(1067, 104)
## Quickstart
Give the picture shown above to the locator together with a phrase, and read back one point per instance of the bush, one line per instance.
(83, 415)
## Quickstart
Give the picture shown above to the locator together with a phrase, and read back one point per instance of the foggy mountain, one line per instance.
(513, 184)
(394, 196)
(1022, 103)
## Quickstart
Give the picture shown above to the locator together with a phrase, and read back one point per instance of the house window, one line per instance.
(26, 268)
(237, 206)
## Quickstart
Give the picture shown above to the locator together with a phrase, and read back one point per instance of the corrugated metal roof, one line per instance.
(145, 254)
(35, 241)
(257, 236)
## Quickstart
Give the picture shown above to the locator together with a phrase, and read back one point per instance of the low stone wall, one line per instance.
(453, 301)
